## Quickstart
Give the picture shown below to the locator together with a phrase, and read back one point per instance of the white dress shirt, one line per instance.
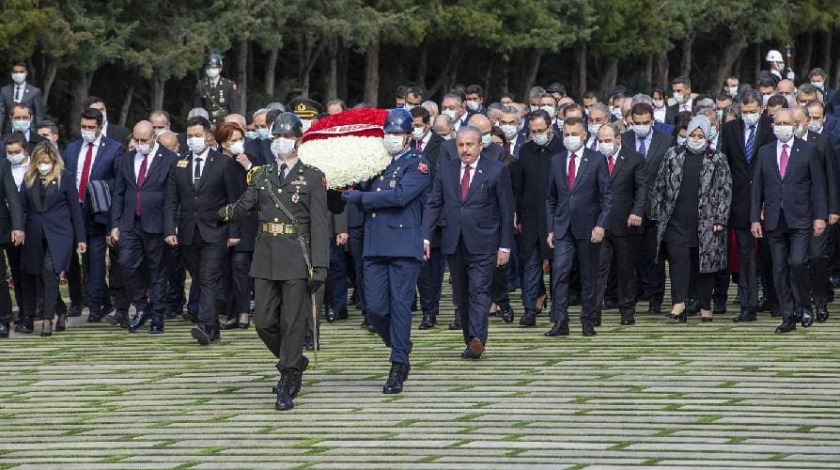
(779, 149)
(577, 161)
(18, 172)
(473, 166)
(138, 161)
(80, 166)
(203, 157)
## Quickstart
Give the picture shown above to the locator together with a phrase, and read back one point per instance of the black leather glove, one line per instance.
(319, 276)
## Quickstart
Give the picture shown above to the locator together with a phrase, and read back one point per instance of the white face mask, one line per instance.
(473, 105)
(696, 146)
(765, 99)
(143, 149)
(733, 91)
(549, 109)
(19, 78)
(212, 72)
(680, 141)
(750, 119)
(534, 108)
(713, 133)
(306, 124)
(607, 148)
(819, 85)
(262, 133)
(196, 144)
(616, 112)
(88, 136)
(815, 126)
(21, 126)
(572, 143)
(641, 130)
(417, 133)
(251, 135)
(45, 168)
(16, 158)
(486, 140)
(783, 133)
(394, 143)
(450, 113)
(560, 124)
(540, 139)
(678, 97)
(800, 131)
(593, 129)
(658, 104)
(282, 147)
(158, 132)
(509, 130)
(237, 148)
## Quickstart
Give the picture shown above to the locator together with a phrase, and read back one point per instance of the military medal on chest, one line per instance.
(393, 183)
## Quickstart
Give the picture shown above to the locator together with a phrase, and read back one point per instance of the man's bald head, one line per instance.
(481, 122)
(169, 140)
(785, 87)
(237, 119)
(143, 131)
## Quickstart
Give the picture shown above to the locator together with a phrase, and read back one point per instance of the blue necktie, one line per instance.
(642, 148)
(750, 144)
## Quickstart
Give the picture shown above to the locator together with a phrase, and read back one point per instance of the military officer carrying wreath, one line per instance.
(291, 254)
(218, 95)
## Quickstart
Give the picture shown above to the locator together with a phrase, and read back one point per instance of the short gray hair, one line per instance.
(470, 130)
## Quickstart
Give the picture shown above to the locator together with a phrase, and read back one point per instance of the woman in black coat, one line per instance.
(50, 204)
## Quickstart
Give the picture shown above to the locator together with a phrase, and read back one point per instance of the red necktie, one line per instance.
(783, 161)
(419, 146)
(465, 183)
(83, 181)
(570, 176)
(610, 164)
(141, 178)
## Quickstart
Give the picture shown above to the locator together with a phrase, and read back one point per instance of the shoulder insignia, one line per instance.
(183, 163)
(423, 168)
(253, 173)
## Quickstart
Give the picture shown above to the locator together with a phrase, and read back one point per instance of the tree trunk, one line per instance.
(533, 69)
(242, 72)
(158, 91)
(836, 74)
(488, 75)
(734, 47)
(423, 66)
(662, 69)
(825, 48)
(685, 64)
(372, 74)
(332, 77)
(803, 56)
(609, 76)
(270, 66)
(757, 60)
(580, 63)
(78, 94)
(126, 105)
(342, 75)
(49, 78)
(649, 72)
(446, 75)
(505, 75)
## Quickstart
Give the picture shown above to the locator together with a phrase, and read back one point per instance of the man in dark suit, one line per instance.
(681, 89)
(531, 174)
(739, 141)
(137, 222)
(818, 78)
(490, 150)
(11, 232)
(653, 146)
(112, 131)
(94, 157)
(21, 118)
(789, 191)
(430, 281)
(510, 123)
(19, 92)
(628, 183)
(577, 212)
(199, 185)
(472, 200)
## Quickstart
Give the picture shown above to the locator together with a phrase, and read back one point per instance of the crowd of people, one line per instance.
(592, 195)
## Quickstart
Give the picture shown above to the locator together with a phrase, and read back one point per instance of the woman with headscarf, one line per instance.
(691, 198)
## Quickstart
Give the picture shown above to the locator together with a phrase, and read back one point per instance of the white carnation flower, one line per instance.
(346, 160)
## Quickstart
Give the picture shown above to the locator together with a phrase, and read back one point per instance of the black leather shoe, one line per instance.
(201, 334)
(284, 393)
(138, 321)
(559, 329)
(822, 314)
(507, 313)
(596, 319)
(61, 322)
(456, 323)
(747, 315)
(230, 324)
(25, 326)
(331, 315)
(366, 325)
(156, 326)
(396, 376)
(719, 308)
(655, 309)
(189, 316)
(297, 377)
(788, 325)
(764, 305)
(341, 314)
(92, 318)
(807, 318)
(215, 334)
(587, 328)
(428, 322)
(46, 328)
(244, 321)
(528, 319)
(627, 320)
(117, 319)
(467, 354)
(609, 305)
(75, 310)
(4, 330)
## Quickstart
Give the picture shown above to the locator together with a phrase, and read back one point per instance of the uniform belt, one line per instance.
(283, 229)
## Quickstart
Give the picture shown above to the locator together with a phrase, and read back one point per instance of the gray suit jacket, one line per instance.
(31, 98)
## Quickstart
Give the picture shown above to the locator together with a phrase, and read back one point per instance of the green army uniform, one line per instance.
(219, 100)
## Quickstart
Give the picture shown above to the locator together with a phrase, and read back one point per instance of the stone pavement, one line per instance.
(655, 395)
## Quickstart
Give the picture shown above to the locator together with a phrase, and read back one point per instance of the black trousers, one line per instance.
(682, 260)
(623, 252)
(747, 272)
(820, 284)
(239, 296)
(143, 267)
(280, 313)
(177, 270)
(204, 262)
(789, 250)
(472, 277)
(43, 287)
(652, 272)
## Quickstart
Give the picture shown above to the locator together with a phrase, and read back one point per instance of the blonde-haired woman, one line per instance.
(50, 205)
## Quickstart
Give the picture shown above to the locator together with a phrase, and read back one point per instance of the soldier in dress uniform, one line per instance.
(218, 95)
(393, 244)
(291, 254)
(309, 111)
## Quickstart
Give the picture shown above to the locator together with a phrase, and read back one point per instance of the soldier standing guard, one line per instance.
(291, 254)
(393, 246)
(218, 95)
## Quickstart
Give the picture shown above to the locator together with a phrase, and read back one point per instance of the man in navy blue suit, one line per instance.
(472, 200)
(137, 221)
(789, 191)
(577, 212)
(94, 157)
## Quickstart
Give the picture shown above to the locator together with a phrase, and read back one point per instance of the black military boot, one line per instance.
(396, 377)
(284, 393)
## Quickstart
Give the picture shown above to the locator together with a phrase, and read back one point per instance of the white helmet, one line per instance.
(774, 56)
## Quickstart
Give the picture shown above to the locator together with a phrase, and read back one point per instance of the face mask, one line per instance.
(713, 133)
(408, 107)
(158, 132)
(607, 148)
(658, 104)
(572, 143)
(719, 114)
(394, 143)
(486, 140)
(560, 124)
(534, 108)
(44, 168)
(540, 139)
(678, 97)
(594, 128)
(21, 126)
(733, 91)
(765, 99)
(696, 146)
(549, 109)
(282, 147)
(212, 72)
(88, 136)
(19, 78)
(616, 112)
(750, 119)
(509, 130)
(417, 133)
(262, 133)
(447, 137)
(783, 133)
(237, 148)
(819, 85)
(800, 131)
(196, 144)
(814, 126)
(680, 141)
(449, 113)
(472, 105)
(15, 158)
(641, 130)
(143, 149)
(306, 123)
(252, 135)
